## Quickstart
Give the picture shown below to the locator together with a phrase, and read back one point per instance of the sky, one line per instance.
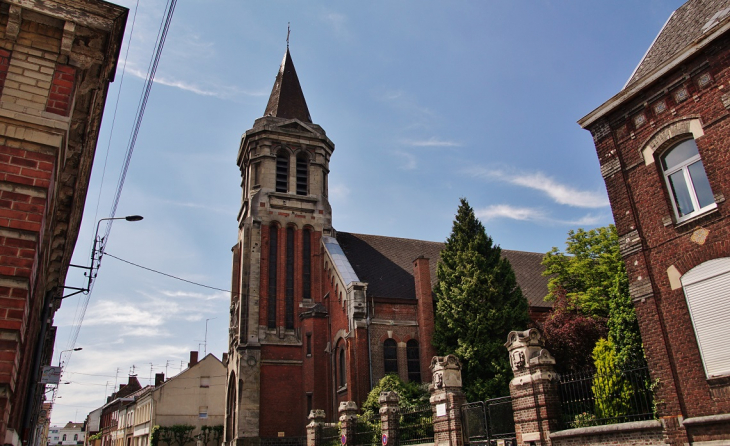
(426, 102)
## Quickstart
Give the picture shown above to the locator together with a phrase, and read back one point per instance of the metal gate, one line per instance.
(489, 423)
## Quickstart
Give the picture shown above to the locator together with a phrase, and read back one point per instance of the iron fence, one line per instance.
(367, 430)
(592, 399)
(416, 425)
(329, 435)
(489, 422)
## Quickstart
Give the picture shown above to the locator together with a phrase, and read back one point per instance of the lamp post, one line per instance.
(96, 253)
(60, 355)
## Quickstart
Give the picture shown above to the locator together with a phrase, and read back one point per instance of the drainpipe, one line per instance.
(36, 366)
(370, 352)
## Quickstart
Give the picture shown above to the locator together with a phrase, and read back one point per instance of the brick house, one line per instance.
(318, 316)
(662, 143)
(57, 58)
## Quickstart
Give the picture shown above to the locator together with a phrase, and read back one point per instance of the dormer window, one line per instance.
(686, 180)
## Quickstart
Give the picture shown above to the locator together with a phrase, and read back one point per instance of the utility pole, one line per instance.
(205, 345)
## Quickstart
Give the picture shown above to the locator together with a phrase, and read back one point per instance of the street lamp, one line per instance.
(60, 355)
(96, 253)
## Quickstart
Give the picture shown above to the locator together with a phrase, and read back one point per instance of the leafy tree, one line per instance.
(571, 336)
(611, 390)
(592, 276)
(411, 394)
(478, 303)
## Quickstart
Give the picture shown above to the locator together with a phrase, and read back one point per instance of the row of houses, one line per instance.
(193, 398)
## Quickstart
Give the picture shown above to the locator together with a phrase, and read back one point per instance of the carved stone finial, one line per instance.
(317, 415)
(446, 371)
(527, 348)
(388, 397)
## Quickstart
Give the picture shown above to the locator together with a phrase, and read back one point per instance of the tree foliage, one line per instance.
(592, 277)
(411, 394)
(612, 392)
(478, 303)
(571, 336)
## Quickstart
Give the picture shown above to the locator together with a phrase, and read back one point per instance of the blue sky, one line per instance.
(426, 102)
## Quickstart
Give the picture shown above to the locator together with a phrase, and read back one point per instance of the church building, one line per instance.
(319, 316)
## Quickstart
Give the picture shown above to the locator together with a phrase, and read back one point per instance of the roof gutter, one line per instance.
(658, 72)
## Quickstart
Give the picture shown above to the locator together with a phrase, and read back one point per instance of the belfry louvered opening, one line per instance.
(282, 172)
(302, 174)
(273, 239)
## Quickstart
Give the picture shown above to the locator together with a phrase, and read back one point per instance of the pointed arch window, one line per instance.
(289, 296)
(343, 367)
(306, 264)
(282, 172)
(687, 181)
(414, 361)
(302, 174)
(390, 356)
(273, 239)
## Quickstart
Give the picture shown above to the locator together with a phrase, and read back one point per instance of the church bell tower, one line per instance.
(277, 267)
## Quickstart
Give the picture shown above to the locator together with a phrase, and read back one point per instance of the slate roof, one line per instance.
(386, 264)
(691, 21)
(287, 100)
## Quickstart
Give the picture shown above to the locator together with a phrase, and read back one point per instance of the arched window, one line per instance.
(76, 437)
(64, 437)
(289, 295)
(306, 264)
(390, 356)
(343, 367)
(282, 172)
(414, 361)
(686, 180)
(273, 238)
(706, 289)
(302, 174)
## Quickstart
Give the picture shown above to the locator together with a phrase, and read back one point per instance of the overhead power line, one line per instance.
(165, 274)
(152, 69)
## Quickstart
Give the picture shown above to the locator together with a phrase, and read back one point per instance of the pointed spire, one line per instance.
(287, 99)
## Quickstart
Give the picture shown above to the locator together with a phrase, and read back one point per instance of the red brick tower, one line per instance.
(277, 327)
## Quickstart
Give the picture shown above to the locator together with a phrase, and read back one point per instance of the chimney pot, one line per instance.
(159, 379)
(193, 359)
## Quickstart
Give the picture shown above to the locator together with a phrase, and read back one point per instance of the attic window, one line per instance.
(205, 381)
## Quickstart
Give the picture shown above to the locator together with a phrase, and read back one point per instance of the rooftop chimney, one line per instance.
(159, 379)
(193, 359)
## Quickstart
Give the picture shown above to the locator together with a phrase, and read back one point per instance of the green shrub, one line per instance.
(611, 390)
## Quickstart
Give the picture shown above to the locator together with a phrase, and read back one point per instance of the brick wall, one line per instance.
(652, 241)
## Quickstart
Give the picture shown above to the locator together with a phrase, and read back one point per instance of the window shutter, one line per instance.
(707, 289)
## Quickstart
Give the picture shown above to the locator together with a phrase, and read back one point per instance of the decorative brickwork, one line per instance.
(62, 88)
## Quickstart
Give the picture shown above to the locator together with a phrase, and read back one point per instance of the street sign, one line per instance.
(385, 440)
(51, 375)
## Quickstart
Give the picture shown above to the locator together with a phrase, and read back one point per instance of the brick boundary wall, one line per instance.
(635, 433)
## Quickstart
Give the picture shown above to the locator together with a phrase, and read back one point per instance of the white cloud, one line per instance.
(409, 158)
(219, 91)
(339, 192)
(536, 215)
(558, 192)
(106, 312)
(431, 142)
(336, 20)
(512, 212)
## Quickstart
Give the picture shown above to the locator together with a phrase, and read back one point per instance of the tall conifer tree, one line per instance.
(478, 302)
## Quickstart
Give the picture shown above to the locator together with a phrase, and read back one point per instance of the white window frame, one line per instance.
(684, 167)
(708, 312)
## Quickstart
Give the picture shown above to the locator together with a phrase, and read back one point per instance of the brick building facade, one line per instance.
(57, 58)
(318, 316)
(662, 143)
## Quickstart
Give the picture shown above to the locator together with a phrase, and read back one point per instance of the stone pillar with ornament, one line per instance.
(389, 417)
(534, 388)
(348, 421)
(446, 400)
(314, 428)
